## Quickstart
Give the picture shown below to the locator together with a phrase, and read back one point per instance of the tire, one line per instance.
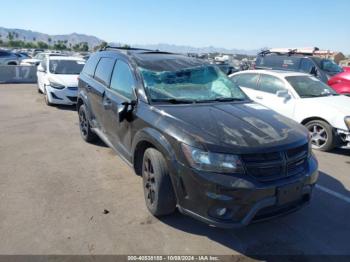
(85, 129)
(322, 135)
(46, 96)
(39, 90)
(158, 190)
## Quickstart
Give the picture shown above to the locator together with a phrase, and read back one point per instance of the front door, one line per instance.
(120, 91)
(268, 87)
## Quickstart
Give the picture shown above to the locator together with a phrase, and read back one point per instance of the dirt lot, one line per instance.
(54, 189)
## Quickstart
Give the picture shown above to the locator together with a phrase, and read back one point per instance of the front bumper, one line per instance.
(65, 96)
(244, 199)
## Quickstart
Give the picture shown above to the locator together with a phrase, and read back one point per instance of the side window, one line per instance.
(306, 65)
(123, 80)
(270, 84)
(90, 66)
(104, 70)
(246, 80)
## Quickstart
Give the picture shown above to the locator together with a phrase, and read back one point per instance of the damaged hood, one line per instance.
(227, 127)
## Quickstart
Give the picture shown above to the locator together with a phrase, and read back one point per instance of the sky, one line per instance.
(241, 24)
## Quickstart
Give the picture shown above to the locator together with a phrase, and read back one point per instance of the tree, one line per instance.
(10, 36)
(49, 40)
(42, 45)
(34, 38)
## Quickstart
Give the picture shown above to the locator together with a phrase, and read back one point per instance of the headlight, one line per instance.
(347, 121)
(212, 162)
(56, 85)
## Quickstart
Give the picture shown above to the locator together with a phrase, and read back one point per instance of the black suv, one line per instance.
(322, 68)
(195, 138)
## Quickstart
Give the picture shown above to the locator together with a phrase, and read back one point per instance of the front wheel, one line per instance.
(322, 135)
(46, 96)
(158, 190)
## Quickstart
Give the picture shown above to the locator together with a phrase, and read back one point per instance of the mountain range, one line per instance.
(75, 38)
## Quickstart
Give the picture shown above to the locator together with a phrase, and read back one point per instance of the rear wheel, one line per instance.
(85, 129)
(322, 135)
(158, 190)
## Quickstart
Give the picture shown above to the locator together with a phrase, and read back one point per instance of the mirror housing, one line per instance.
(283, 93)
(313, 71)
(126, 112)
(40, 68)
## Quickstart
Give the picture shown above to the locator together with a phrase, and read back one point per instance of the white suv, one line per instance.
(58, 79)
(303, 98)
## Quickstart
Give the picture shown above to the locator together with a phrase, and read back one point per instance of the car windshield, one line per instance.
(198, 84)
(309, 86)
(329, 66)
(66, 67)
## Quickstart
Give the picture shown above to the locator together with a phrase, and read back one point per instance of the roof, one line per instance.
(74, 58)
(161, 61)
(279, 73)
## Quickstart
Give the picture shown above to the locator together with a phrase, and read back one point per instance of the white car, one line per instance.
(303, 98)
(58, 79)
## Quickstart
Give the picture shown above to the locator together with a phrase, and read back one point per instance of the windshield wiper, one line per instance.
(221, 99)
(174, 101)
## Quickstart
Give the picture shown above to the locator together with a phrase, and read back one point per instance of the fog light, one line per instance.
(221, 211)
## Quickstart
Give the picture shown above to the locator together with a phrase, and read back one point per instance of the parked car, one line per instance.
(35, 61)
(9, 58)
(324, 69)
(195, 138)
(58, 79)
(303, 98)
(227, 68)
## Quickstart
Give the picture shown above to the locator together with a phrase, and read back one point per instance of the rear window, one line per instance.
(278, 62)
(104, 70)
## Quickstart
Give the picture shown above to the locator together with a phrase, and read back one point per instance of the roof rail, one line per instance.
(290, 51)
(124, 48)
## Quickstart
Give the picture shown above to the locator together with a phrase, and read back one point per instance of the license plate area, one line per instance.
(289, 193)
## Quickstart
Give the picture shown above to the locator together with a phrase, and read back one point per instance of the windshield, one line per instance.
(309, 86)
(329, 66)
(198, 84)
(66, 67)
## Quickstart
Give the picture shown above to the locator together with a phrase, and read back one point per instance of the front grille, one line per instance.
(267, 167)
(72, 87)
(72, 98)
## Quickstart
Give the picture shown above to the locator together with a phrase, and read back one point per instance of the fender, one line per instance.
(156, 138)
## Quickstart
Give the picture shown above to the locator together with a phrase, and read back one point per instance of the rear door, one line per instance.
(268, 87)
(121, 90)
(96, 89)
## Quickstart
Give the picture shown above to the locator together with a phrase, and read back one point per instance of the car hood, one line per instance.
(66, 80)
(233, 127)
(339, 103)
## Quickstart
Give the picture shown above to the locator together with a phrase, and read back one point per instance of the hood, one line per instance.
(234, 127)
(66, 80)
(334, 103)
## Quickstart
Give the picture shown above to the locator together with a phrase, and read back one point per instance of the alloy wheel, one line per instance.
(83, 123)
(319, 135)
(149, 181)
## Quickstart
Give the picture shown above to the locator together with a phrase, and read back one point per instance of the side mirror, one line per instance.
(40, 68)
(126, 112)
(283, 93)
(313, 71)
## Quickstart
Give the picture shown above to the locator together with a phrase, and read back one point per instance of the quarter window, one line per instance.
(270, 84)
(123, 80)
(104, 70)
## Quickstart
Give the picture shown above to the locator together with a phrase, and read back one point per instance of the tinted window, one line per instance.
(104, 70)
(66, 67)
(90, 65)
(2, 53)
(306, 65)
(270, 84)
(122, 80)
(278, 62)
(246, 80)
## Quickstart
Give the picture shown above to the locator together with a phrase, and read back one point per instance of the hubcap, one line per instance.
(83, 123)
(149, 181)
(318, 136)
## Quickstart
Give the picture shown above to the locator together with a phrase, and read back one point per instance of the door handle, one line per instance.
(259, 97)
